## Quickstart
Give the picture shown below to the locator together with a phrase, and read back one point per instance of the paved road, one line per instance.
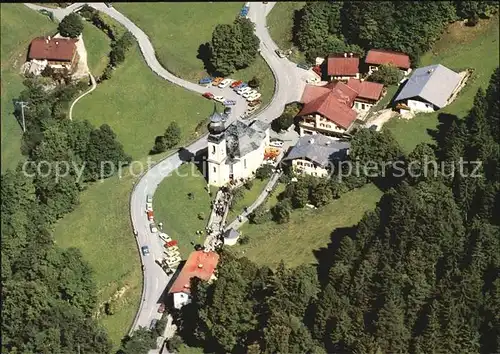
(290, 82)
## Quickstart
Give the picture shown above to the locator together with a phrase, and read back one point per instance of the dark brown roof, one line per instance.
(56, 49)
(379, 56)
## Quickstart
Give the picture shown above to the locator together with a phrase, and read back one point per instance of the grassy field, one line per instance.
(138, 105)
(307, 231)
(248, 198)
(98, 47)
(280, 21)
(460, 47)
(178, 213)
(178, 29)
(18, 26)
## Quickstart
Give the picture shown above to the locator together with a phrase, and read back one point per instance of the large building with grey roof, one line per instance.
(236, 151)
(428, 89)
(314, 154)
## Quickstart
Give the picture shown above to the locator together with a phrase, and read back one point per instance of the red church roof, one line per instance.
(342, 66)
(199, 264)
(56, 49)
(366, 89)
(380, 56)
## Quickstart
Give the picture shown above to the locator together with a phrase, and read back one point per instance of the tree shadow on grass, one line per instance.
(439, 135)
(205, 54)
(325, 255)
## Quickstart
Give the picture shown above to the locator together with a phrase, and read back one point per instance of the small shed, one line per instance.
(231, 236)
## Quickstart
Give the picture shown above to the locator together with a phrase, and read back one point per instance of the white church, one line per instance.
(235, 152)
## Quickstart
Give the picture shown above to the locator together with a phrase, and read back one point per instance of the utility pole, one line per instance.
(23, 104)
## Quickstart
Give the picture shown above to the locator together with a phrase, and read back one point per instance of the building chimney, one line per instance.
(49, 38)
(350, 54)
(57, 43)
(345, 55)
(200, 265)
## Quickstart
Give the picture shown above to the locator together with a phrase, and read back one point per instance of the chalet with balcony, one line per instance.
(342, 66)
(333, 108)
(376, 57)
(428, 89)
(57, 53)
(316, 155)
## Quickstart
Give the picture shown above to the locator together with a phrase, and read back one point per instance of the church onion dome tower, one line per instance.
(216, 127)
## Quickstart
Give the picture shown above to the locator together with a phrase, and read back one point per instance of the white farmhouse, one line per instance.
(235, 152)
(428, 89)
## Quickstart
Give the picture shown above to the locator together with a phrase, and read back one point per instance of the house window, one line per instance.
(215, 170)
(213, 149)
(245, 163)
(362, 106)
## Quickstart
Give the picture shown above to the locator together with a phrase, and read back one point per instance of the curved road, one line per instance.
(290, 82)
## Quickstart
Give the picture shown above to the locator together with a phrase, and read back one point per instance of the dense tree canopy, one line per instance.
(233, 46)
(354, 26)
(71, 26)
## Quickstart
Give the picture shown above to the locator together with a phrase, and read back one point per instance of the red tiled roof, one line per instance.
(57, 49)
(379, 56)
(332, 101)
(366, 89)
(341, 66)
(199, 264)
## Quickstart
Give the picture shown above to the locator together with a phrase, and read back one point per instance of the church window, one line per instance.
(215, 170)
(245, 163)
(213, 149)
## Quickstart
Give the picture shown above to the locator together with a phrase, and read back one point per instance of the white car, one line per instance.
(251, 109)
(313, 80)
(219, 99)
(276, 143)
(225, 83)
(243, 90)
(153, 228)
(254, 97)
(249, 93)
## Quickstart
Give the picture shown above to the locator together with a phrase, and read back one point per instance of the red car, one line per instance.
(208, 95)
(236, 83)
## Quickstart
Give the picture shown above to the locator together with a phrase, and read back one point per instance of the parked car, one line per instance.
(227, 110)
(317, 70)
(240, 86)
(145, 250)
(304, 66)
(254, 103)
(236, 84)
(373, 127)
(208, 95)
(153, 324)
(149, 199)
(254, 97)
(161, 308)
(249, 93)
(312, 80)
(244, 90)
(276, 143)
(229, 102)
(219, 99)
(153, 228)
(108, 4)
(251, 109)
(205, 81)
(150, 215)
(149, 207)
(217, 81)
(280, 53)
(224, 83)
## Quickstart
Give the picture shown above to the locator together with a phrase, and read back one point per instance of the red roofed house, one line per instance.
(368, 94)
(342, 66)
(376, 57)
(59, 53)
(332, 109)
(201, 265)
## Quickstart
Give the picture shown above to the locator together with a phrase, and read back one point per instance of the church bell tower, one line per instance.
(218, 171)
